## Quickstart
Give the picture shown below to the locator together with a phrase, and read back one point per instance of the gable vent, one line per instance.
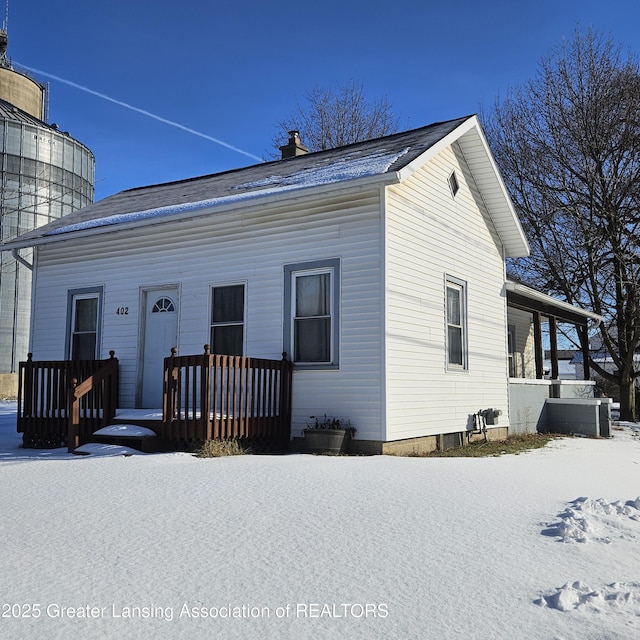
(453, 183)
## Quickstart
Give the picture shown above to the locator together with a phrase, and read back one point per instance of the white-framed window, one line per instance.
(456, 320)
(312, 313)
(227, 319)
(84, 313)
(312, 316)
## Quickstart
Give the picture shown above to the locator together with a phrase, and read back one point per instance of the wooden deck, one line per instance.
(206, 396)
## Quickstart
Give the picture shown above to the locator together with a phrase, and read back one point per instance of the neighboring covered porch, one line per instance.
(539, 400)
(540, 308)
(206, 396)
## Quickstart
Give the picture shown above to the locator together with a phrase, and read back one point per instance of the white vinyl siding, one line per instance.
(429, 234)
(395, 246)
(250, 246)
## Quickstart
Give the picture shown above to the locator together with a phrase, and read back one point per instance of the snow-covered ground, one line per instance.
(544, 545)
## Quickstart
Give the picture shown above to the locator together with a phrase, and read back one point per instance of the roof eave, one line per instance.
(269, 199)
(538, 296)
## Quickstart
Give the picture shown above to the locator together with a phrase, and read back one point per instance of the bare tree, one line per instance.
(328, 119)
(568, 145)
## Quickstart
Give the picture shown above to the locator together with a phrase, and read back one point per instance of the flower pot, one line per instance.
(326, 440)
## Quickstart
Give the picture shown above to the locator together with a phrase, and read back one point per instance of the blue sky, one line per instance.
(233, 70)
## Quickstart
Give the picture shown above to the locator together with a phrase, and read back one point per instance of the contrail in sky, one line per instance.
(142, 111)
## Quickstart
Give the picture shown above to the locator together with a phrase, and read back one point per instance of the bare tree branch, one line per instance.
(329, 118)
(568, 144)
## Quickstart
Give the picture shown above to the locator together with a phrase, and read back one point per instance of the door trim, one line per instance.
(142, 315)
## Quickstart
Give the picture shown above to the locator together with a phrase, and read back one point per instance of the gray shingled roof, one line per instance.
(387, 159)
(253, 181)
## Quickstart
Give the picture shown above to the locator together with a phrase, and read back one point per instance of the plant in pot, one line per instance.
(328, 435)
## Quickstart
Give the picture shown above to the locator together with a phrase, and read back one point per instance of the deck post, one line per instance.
(169, 396)
(25, 388)
(537, 344)
(73, 435)
(205, 392)
(285, 393)
(553, 345)
(584, 346)
(112, 391)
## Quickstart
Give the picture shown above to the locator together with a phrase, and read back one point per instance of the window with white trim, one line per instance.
(227, 320)
(84, 313)
(456, 316)
(311, 321)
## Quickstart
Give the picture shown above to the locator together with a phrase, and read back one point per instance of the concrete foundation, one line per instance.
(587, 416)
(558, 406)
(412, 446)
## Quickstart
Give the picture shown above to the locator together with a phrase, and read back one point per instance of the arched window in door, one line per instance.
(163, 305)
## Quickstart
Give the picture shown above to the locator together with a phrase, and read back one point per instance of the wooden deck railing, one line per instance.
(92, 403)
(217, 396)
(206, 396)
(53, 394)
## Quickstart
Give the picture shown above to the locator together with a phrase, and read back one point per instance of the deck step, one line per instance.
(150, 418)
(135, 436)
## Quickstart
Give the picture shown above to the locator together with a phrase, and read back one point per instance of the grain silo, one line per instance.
(45, 175)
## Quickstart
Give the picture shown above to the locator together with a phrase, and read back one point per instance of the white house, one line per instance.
(378, 267)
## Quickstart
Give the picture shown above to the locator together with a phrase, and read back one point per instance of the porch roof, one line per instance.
(519, 296)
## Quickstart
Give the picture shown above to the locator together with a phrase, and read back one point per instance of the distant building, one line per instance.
(566, 365)
(45, 174)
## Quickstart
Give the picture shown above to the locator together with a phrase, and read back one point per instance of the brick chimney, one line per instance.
(294, 147)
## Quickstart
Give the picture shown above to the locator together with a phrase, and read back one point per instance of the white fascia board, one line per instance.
(436, 148)
(271, 200)
(525, 250)
(518, 247)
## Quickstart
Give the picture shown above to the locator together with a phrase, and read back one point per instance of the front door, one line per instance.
(160, 334)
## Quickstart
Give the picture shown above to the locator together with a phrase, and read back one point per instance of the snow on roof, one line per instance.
(353, 166)
(390, 158)
(378, 157)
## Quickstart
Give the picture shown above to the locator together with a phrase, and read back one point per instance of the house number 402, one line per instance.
(122, 311)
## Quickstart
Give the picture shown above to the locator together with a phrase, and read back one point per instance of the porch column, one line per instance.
(553, 342)
(584, 343)
(537, 344)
